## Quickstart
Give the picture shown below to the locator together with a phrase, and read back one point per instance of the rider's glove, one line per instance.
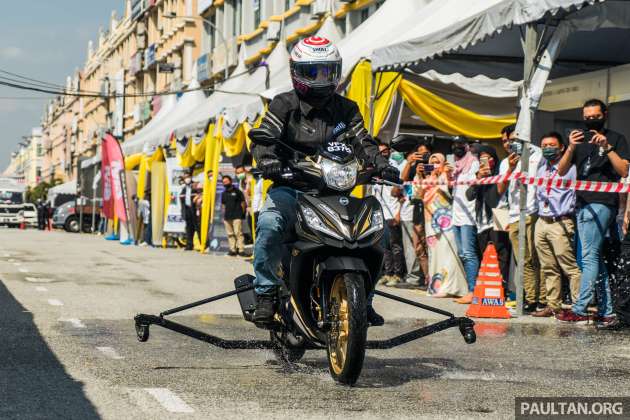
(270, 168)
(391, 174)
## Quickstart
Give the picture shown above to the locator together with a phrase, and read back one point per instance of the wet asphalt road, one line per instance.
(68, 349)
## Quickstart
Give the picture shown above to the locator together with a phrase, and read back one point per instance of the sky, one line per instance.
(45, 40)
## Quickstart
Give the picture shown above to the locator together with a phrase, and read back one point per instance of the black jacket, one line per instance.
(304, 127)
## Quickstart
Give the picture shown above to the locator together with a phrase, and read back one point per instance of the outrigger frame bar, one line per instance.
(143, 321)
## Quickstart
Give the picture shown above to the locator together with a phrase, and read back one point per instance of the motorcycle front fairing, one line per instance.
(345, 239)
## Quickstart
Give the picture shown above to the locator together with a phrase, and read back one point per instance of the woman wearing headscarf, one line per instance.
(486, 198)
(446, 274)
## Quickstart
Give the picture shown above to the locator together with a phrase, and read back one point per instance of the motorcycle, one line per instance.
(329, 270)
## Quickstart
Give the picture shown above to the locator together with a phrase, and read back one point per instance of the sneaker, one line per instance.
(528, 308)
(265, 308)
(373, 317)
(393, 281)
(384, 279)
(232, 253)
(544, 313)
(570, 316)
(610, 323)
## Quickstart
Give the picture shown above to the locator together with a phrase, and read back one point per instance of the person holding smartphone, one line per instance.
(486, 198)
(605, 158)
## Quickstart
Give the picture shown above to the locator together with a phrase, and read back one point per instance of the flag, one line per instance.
(112, 169)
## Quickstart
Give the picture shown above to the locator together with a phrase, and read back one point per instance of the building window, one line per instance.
(256, 8)
(237, 16)
(365, 13)
(287, 4)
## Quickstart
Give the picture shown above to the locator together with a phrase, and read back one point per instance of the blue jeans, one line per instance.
(466, 241)
(275, 221)
(593, 222)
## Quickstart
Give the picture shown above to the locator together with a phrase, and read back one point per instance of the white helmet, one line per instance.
(315, 67)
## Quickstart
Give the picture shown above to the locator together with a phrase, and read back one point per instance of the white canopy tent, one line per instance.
(69, 187)
(158, 133)
(240, 89)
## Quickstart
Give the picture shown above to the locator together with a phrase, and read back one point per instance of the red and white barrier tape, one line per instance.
(593, 186)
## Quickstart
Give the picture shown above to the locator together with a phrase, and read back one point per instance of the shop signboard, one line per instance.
(149, 56)
(204, 68)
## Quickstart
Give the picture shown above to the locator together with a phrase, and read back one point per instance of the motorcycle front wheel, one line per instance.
(348, 331)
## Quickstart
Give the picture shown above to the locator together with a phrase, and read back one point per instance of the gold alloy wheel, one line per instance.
(338, 341)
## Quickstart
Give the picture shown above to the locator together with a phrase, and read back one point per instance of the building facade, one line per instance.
(160, 46)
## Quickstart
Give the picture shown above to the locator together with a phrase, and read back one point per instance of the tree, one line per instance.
(40, 190)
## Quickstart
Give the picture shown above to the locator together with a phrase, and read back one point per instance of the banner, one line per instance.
(174, 220)
(112, 164)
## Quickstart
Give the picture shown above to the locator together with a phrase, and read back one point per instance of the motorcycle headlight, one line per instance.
(316, 223)
(376, 224)
(339, 177)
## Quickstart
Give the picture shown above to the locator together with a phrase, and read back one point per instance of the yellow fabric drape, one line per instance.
(145, 166)
(233, 146)
(186, 159)
(210, 145)
(131, 162)
(448, 117)
(360, 91)
(198, 151)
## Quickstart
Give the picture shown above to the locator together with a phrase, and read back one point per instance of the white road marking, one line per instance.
(10, 259)
(17, 264)
(23, 270)
(38, 280)
(110, 352)
(41, 289)
(55, 302)
(76, 323)
(169, 400)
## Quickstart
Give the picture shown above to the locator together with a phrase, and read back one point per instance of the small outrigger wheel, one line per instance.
(142, 331)
(468, 332)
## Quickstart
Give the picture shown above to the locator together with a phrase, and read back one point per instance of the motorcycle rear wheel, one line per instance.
(348, 333)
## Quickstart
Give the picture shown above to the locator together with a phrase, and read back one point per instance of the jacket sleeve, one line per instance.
(364, 145)
(272, 128)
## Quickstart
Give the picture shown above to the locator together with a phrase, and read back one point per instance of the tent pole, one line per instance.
(372, 100)
(529, 49)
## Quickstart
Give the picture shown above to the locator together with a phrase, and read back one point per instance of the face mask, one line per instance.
(595, 124)
(187, 181)
(550, 153)
(459, 151)
(397, 157)
(227, 186)
(240, 176)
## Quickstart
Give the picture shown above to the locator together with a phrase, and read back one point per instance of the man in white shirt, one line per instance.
(535, 292)
(393, 260)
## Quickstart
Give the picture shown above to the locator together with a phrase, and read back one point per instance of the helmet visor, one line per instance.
(316, 73)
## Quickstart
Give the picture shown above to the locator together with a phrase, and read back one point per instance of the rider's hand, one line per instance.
(270, 168)
(391, 174)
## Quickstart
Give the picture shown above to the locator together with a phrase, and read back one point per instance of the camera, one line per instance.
(516, 147)
(429, 168)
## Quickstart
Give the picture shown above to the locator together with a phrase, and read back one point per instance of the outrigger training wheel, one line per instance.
(468, 332)
(142, 331)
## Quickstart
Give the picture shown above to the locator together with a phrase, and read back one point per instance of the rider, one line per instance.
(303, 118)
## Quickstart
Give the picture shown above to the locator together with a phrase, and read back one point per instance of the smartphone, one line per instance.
(483, 160)
(429, 168)
(588, 135)
(450, 159)
(516, 147)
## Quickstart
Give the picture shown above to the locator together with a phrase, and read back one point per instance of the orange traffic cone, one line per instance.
(489, 297)
(22, 225)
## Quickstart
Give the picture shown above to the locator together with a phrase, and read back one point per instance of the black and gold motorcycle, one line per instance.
(329, 269)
